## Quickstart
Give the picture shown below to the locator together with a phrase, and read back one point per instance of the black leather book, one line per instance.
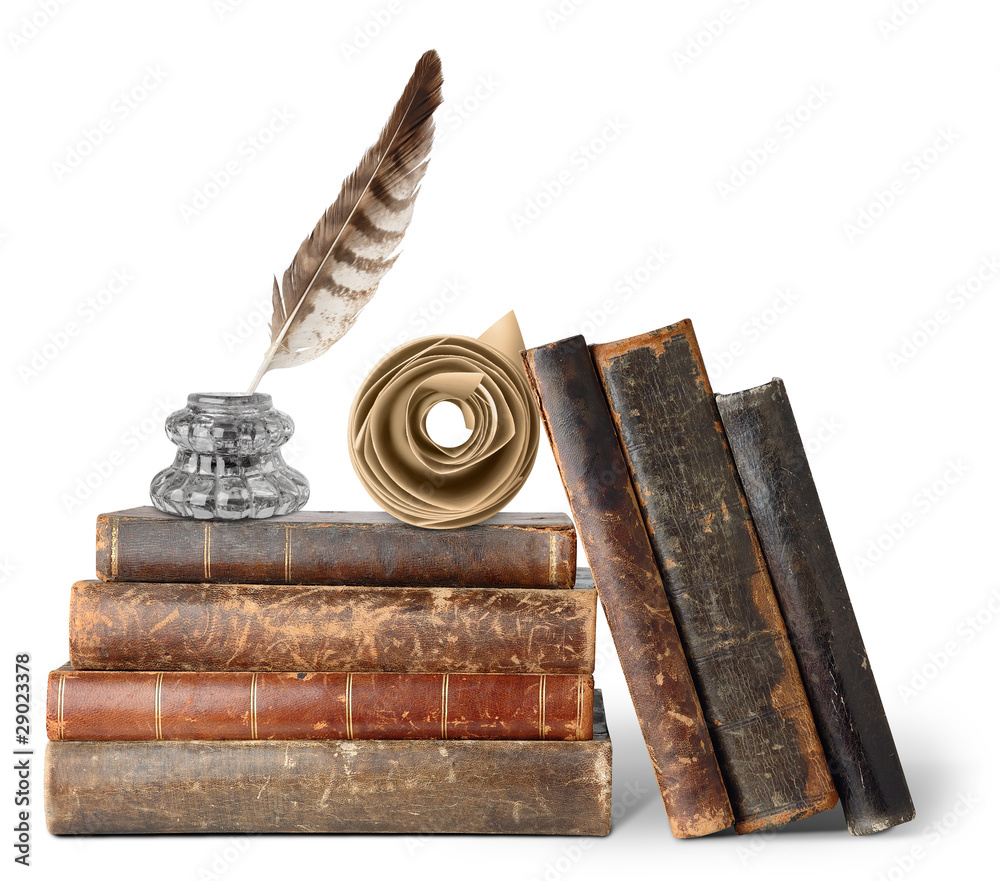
(823, 629)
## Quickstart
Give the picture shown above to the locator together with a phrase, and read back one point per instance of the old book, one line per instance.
(310, 547)
(117, 625)
(590, 462)
(810, 586)
(716, 578)
(405, 786)
(128, 705)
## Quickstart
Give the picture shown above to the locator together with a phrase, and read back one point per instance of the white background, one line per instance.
(610, 97)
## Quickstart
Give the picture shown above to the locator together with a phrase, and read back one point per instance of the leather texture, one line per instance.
(328, 629)
(811, 590)
(311, 547)
(586, 450)
(716, 578)
(123, 705)
(514, 787)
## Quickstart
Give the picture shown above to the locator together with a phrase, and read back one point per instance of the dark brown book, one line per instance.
(116, 625)
(716, 578)
(811, 590)
(312, 547)
(517, 787)
(590, 462)
(128, 705)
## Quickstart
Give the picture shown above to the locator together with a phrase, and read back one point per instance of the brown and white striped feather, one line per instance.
(339, 266)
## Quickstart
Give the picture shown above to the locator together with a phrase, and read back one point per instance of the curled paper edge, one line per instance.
(425, 483)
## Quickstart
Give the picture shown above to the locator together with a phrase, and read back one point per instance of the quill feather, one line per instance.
(337, 269)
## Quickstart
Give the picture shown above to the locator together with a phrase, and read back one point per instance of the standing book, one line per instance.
(813, 595)
(593, 472)
(716, 577)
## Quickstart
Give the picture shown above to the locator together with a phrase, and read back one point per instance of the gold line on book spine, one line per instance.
(579, 707)
(114, 548)
(288, 555)
(158, 705)
(350, 719)
(60, 706)
(553, 558)
(444, 707)
(208, 552)
(253, 706)
(541, 707)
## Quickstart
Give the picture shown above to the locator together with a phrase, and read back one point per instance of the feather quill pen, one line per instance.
(338, 268)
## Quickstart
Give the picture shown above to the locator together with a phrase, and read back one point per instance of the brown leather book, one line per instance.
(117, 625)
(716, 577)
(516, 787)
(586, 450)
(817, 608)
(127, 705)
(313, 547)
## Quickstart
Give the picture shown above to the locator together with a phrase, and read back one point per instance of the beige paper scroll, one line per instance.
(416, 479)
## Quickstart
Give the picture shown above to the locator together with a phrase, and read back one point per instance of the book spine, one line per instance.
(716, 578)
(326, 629)
(592, 469)
(304, 551)
(122, 705)
(398, 786)
(811, 590)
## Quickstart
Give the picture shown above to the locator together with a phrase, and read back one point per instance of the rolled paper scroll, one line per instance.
(419, 480)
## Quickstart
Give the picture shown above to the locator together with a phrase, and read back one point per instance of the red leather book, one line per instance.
(336, 547)
(128, 705)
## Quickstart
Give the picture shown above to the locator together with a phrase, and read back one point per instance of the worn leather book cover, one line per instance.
(117, 625)
(313, 547)
(516, 787)
(811, 590)
(170, 705)
(716, 578)
(597, 483)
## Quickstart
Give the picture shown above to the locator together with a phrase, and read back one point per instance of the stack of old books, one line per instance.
(329, 673)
